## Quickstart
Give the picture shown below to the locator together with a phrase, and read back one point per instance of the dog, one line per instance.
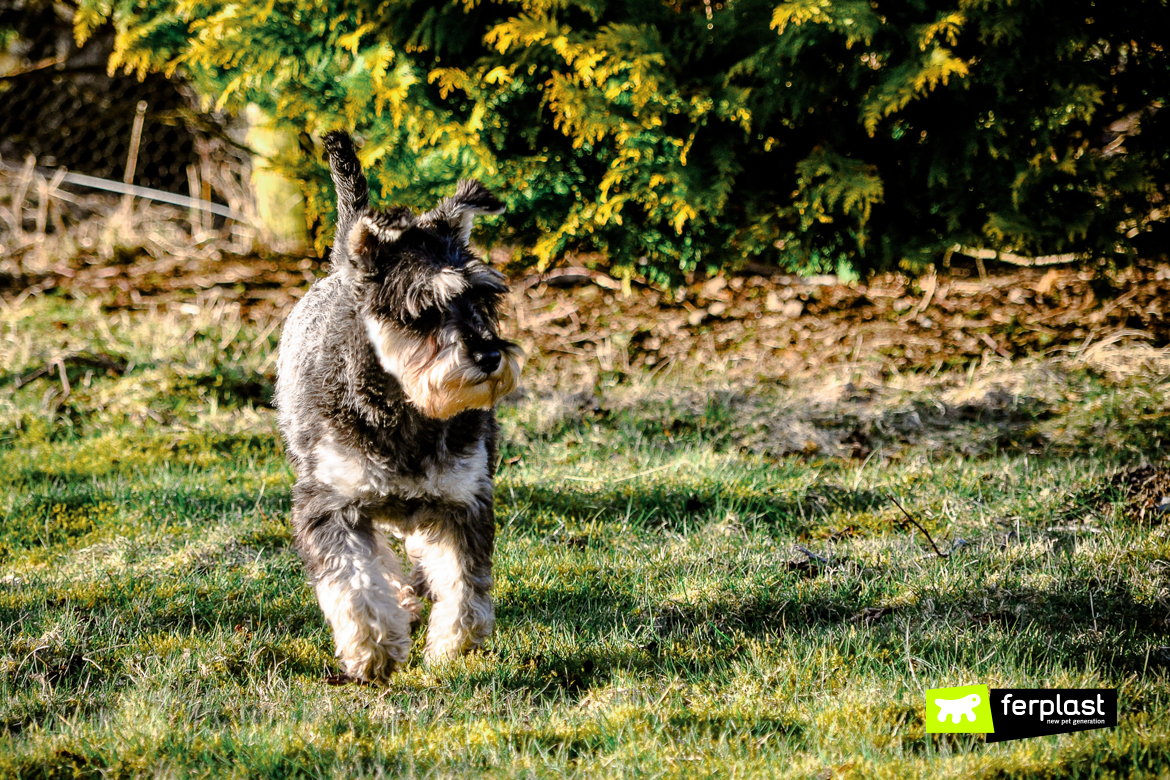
(388, 371)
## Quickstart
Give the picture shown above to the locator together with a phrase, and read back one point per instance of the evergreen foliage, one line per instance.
(671, 134)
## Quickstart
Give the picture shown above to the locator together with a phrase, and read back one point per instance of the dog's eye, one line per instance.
(427, 320)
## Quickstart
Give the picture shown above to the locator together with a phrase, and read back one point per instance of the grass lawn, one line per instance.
(657, 616)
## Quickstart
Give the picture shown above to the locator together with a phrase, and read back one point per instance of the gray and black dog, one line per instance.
(388, 371)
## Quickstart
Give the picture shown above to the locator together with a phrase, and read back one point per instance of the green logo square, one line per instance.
(962, 710)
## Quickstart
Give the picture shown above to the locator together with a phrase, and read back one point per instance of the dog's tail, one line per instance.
(353, 195)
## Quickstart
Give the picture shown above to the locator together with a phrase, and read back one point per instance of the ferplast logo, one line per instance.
(965, 709)
(1019, 713)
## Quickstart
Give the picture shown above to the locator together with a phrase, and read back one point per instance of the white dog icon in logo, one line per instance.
(957, 709)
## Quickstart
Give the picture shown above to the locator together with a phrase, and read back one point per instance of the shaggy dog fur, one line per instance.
(388, 371)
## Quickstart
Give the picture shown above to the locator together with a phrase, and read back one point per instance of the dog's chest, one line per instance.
(366, 477)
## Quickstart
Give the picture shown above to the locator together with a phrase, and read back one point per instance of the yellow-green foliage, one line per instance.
(821, 133)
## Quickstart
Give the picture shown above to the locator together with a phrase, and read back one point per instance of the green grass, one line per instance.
(654, 617)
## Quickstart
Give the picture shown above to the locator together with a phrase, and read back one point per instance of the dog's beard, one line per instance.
(437, 375)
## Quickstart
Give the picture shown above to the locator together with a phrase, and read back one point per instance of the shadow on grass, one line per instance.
(1061, 622)
(231, 386)
(535, 509)
(80, 513)
(83, 459)
(673, 637)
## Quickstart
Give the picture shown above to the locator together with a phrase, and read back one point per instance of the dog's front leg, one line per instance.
(452, 557)
(359, 585)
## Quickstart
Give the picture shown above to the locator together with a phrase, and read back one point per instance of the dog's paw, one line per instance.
(440, 653)
(370, 660)
(451, 635)
(371, 629)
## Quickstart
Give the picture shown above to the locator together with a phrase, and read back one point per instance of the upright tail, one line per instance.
(353, 195)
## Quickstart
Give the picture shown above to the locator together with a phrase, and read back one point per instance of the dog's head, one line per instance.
(430, 305)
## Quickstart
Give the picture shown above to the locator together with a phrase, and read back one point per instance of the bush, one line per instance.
(674, 134)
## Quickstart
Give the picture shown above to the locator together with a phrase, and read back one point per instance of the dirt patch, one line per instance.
(767, 325)
(1147, 492)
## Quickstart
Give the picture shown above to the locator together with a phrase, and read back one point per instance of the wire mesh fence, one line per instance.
(84, 123)
(59, 106)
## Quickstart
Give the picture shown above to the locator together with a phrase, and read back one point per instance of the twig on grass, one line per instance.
(628, 476)
(918, 525)
(107, 362)
(65, 388)
(259, 498)
(812, 556)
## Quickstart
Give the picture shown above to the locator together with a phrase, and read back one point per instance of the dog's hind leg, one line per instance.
(453, 561)
(359, 586)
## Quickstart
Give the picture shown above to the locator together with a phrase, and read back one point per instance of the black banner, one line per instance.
(1019, 713)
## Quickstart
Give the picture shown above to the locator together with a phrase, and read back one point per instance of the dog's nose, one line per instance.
(487, 360)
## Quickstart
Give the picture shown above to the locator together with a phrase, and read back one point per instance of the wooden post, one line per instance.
(132, 160)
(193, 212)
(26, 177)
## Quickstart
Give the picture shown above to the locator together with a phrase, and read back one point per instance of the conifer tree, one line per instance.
(671, 134)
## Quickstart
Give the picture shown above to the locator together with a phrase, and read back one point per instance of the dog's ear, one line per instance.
(458, 211)
(372, 233)
(480, 274)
